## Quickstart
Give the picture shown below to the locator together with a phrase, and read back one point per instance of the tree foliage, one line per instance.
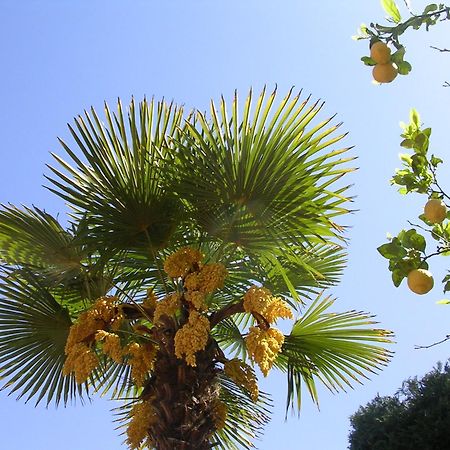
(408, 250)
(417, 416)
(391, 32)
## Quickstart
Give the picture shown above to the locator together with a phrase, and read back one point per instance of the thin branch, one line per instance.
(434, 235)
(435, 181)
(392, 33)
(417, 347)
(439, 252)
(442, 50)
(225, 312)
(408, 5)
(421, 227)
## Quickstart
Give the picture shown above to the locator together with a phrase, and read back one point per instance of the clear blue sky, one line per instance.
(60, 57)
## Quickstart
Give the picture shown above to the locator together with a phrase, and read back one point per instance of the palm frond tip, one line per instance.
(336, 349)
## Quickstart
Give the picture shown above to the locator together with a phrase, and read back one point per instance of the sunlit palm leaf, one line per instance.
(229, 336)
(115, 380)
(33, 240)
(123, 185)
(299, 272)
(245, 418)
(33, 237)
(336, 349)
(33, 333)
(263, 180)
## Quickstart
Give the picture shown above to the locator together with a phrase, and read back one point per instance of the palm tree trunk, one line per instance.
(183, 399)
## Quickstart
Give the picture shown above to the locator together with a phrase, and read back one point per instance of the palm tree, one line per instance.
(160, 287)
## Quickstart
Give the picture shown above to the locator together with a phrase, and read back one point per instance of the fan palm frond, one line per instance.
(336, 349)
(115, 380)
(32, 237)
(123, 186)
(33, 334)
(33, 241)
(228, 335)
(264, 179)
(299, 272)
(245, 418)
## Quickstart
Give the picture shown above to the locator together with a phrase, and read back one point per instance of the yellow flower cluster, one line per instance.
(205, 281)
(264, 346)
(85, 327)
(167, 306)
(141, 359)
(199, 280)
(192, 337)
(104, 308)
(150, 299)
(142, 417)
(111, 345)
(81, 360)
(260, 300)
(178, 264)
(243, 375)
(196, 299)
(209, 278)
(220, 412)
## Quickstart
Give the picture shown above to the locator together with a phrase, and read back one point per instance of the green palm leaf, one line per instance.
(263, 179)
(34, 240)
(245, 418)
(229, 336)
(336, 349)
(115, 380)
(33, 333)
(300, 271)
(32, 237)
(123, 185)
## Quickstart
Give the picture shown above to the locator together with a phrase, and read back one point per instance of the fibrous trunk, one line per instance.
(184, 400)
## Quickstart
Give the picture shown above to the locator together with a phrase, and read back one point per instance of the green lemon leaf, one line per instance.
(392, 10)
(412, 239)
(405, 158)
(404, 67)
(397, 57)
(430, 8)
(397, 277)
(407, 143)
(368, 61)
(414, 117)
(443, 302)
(435, 161)
(392, 250)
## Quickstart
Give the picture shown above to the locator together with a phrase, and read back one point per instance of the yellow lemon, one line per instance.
(420, 281)
(435, 210)
(384, 73)
(380, 53)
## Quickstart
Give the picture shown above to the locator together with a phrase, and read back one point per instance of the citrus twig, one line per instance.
(417, 347)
